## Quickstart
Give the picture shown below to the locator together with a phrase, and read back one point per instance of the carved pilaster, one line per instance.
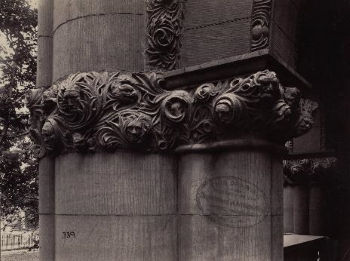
(108, 111)
(164, 29)
(260, 25)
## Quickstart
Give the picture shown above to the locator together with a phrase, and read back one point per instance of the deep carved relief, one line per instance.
(108, 111)
(309, 171)
(164, 29)
(260, 24)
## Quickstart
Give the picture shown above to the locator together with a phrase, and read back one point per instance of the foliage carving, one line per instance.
(260, 24)
(164, 29)
(109, 111)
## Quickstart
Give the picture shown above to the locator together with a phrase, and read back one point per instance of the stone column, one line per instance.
(321, 191)
(79, 36)
(309, 183)
(91, 35)
(120, 193)
(115, 206)
(288, 210)
(47, 208)
(230, 202)
(47, 165)
(44, 61)
(297, 178)
(317, 210)
(144, 171)
(301, 210)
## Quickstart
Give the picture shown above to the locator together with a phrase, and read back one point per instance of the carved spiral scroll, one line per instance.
(164, 29)
(109, 111)
(260, 24)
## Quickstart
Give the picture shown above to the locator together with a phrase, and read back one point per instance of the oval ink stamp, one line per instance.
(231, 201)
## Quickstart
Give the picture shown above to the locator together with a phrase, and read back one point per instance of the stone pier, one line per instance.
(161, 137)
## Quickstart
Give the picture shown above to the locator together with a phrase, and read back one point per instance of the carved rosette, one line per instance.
(164, 29)
(260, 24)
(108, 111)
(319, 171)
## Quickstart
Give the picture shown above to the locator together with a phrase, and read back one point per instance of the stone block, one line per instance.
(122, 183)
(120, 238)
(95, 43)
(215, 30)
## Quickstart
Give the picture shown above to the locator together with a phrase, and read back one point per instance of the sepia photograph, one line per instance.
(175, 130)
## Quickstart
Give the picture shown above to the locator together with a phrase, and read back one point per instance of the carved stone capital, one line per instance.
(107, 111)
(309, 171)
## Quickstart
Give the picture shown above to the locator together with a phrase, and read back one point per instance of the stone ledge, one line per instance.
(290, 240)
(238, 144)
(235, 65)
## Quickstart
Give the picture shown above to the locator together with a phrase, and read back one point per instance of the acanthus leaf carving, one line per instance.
(109, 111)
(309, 171)
(164, 29)
(305, 120)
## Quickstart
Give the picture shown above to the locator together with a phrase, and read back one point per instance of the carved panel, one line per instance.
(260, 25)
(108, 111)
(164, 29)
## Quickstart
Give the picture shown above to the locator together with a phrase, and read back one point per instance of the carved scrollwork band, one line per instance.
(260, 24)
(164, 29)
(309, 171)
(108, 111)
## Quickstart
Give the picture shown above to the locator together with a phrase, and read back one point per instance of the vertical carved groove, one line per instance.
(260, 24)
(164, 30)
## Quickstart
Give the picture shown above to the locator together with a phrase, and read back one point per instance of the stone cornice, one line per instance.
(108, 111)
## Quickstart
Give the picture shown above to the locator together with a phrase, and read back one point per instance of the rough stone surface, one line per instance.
(120, 238)
(118, 206)
(285, 19)
(215, 30)
(123, 183)
(223, 227)
(94, 35)
(47, 208)
(44, 60)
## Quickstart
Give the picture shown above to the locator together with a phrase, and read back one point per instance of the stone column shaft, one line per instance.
(98, 35)
(47, 208)
(47, 165)
(230, 204)
(118, 206)
(44, 60)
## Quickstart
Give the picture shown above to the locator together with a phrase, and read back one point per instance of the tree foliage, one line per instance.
(18, 167)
